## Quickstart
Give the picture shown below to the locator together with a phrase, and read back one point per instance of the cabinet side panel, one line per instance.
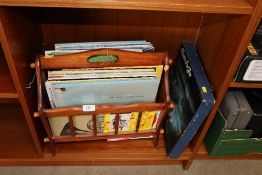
(218, 42)
(21, 40)
(166, 30)
(241, 29)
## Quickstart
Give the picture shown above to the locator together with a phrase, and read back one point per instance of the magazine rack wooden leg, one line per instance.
(166, 97)
(40, 106)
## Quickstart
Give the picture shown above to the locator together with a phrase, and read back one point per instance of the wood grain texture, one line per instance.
(116, 123)
(138, 121)
(40, 104)
(7, 88)
(245, 26)
(124, 59)
(218, 42)
(8, 95)
(218, 55)
(16, 141)
(80, 60)
(120, 108)
(207, 6)
(100, 152)
(245, 85)
(100, 136)
(15, 30)
(94, 125)
(165, 30)
(7, 99)
(71, 125)
(130, 150)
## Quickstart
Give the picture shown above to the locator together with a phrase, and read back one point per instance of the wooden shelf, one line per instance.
(203, 154)
(132, 152)
(207, 6)
(221, 36)
(16, 141)
(123, 152)
(245, 85)
(7, 89)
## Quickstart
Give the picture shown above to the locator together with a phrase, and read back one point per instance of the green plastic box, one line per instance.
(223, 142)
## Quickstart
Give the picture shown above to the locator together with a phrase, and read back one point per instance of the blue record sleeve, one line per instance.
(112, 91)
(193, 97)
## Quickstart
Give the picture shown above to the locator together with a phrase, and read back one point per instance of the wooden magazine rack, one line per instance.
(81, 60)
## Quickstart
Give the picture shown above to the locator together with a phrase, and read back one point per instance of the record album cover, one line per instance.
(191, 92)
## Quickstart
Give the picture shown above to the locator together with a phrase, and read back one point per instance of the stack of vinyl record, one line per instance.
(69, 48)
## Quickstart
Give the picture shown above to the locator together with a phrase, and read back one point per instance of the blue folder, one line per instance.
(192, 94)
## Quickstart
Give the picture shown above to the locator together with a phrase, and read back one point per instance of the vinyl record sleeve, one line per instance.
(192, 94)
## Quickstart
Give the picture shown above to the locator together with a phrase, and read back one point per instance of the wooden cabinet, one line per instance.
(7, 89)
(16, 140)
(221, 31)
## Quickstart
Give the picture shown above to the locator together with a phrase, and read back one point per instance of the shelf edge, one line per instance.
(133, 5)
(245, 85)
(9, 95)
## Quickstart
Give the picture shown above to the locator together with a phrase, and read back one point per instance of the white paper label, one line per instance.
(254, 71)
(88, 108)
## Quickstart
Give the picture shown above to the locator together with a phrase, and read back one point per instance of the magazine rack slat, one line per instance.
(121, 108)
(82, 60)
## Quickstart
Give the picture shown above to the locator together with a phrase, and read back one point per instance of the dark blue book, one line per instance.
(193, 97)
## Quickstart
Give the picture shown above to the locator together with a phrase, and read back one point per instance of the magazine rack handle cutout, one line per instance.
(81, 60)
(103, 58)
